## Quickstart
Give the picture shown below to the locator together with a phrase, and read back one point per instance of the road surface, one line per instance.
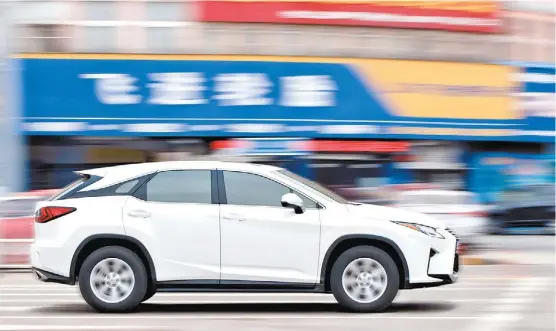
(487, 298)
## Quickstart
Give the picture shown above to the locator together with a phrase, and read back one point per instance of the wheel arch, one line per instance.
(94, 242)
(346, 242)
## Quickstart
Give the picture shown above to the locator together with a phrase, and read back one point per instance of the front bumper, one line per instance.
(443, 279)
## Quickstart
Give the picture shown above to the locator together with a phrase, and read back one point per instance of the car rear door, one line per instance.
(175, 216)
(263, 242)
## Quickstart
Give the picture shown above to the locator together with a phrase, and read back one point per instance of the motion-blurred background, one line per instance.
(446, 107)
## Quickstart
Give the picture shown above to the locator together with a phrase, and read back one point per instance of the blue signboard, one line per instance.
(258, 98)
(493, 172)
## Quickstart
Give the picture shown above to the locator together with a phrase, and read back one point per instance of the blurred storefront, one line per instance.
(354, 168)
(112, 109)
(53, 159)
(215, 96)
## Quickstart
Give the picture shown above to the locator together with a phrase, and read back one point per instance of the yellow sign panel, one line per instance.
(114, 155)
(443, 89)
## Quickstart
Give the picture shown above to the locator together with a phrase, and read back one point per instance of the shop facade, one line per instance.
(355, 123)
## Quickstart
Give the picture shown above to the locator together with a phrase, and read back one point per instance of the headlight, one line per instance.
(429, 231)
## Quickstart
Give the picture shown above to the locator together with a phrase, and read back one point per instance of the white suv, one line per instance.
(124, 233)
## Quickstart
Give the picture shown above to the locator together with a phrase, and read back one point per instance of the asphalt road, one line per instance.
(487, 298)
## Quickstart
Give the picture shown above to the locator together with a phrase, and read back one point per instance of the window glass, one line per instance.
(99, 10)
(97, 38)
(317, 187)
(254, 190)
(165, 11)
(184, 186)
(126, 187)
(69, 187)
(161, 39)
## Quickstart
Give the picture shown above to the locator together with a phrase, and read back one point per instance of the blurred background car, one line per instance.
(17, 216)
(18, 210)
(524, 209)
(459, 210)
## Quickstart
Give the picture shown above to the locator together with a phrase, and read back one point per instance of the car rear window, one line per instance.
(71, 187)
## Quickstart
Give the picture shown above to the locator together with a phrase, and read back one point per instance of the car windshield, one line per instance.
(437, 199)
(317, 187)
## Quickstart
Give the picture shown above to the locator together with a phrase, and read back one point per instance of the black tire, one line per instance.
(150, 293)
(392, 273)
(139, 272)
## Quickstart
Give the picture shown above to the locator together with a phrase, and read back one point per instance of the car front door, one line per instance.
(175, 216)
(261, 240)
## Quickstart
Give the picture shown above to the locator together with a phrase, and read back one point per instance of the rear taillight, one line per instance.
(47, 214)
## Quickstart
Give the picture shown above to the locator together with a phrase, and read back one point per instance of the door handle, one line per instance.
(233, 217)
(139, 213)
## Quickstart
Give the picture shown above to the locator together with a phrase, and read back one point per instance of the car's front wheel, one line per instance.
(113, 279)
(364, 279)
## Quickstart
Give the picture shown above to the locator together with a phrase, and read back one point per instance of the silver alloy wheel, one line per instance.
(112, 280)
(364, 280)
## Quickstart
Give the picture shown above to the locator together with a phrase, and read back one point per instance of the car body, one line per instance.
(458, 210)
(524, 209)
(219, 226)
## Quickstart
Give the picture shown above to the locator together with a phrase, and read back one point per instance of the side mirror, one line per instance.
(291, 200)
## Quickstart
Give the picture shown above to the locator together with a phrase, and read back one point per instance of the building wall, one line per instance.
(531, 36)
(138, 26)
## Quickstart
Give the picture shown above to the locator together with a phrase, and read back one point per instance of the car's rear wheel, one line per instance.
(150, 293)
(113, 279)
(364, 279)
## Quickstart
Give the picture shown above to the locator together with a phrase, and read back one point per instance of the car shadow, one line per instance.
(252, 308)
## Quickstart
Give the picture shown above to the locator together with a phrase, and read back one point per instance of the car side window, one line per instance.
(126, 187)
(180, 186)
(254, 190)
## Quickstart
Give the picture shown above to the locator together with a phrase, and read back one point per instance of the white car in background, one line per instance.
(124, 233)
(20, 207)
(458, 210)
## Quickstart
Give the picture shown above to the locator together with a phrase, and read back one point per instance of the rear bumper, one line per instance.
(49, 277)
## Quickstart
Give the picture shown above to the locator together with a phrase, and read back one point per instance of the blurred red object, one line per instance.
(17, 213)
(413, 186)
(346, 146)
(468, 16)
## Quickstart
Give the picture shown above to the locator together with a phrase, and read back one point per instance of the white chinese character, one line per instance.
(242, 89)
(308, 91)
(177, 88)
(114, 89)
